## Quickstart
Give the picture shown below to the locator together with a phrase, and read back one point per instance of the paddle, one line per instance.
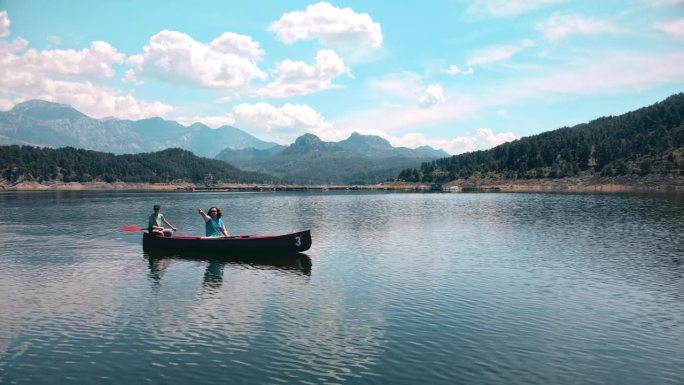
(130, 228)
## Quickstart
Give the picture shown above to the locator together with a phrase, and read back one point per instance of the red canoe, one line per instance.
(284, 243)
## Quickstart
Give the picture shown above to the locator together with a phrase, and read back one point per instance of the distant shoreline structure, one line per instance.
(584, 184)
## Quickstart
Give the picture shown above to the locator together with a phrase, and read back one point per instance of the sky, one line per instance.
(459, 75)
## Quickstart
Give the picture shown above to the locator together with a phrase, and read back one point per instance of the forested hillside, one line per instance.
(27, 163)
(646, 141)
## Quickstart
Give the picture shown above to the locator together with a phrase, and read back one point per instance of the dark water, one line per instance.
(397, 289)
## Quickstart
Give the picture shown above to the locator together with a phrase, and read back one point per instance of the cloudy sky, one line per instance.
(459, 75)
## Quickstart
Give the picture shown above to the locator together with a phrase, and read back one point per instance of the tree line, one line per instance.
(646, 141)
(68, 164)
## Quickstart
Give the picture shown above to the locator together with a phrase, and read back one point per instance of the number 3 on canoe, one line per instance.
(298, 240)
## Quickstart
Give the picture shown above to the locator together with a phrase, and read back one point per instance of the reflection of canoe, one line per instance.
(287, 261)
(285, 243)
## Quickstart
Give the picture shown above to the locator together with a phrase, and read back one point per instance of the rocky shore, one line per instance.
(579, 184)
(585, 184)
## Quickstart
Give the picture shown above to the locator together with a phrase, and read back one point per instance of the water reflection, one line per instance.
(213, 275)
(159, 260)
(158, 267)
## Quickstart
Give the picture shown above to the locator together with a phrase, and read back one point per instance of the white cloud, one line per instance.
(241, 45)
(8, 50)
(455, 70)
(228, 62)
(331, 25)
(96, 61)
(298, 78)
(68, 76)
(613, 73)
(48, 74)
(282, 124)
(129, 77)
(497, 53)
(401, 86)
(674, 28)
(409, 116)
(562, 26)
(484, 138)
(6, 104)
(665, 2)
(22, 69)
(407, 88)
(432, 95)
(506, 8)
(210, 121)
(4, 24)
(54, 40)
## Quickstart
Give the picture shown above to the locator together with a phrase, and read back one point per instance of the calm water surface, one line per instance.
(397, 288)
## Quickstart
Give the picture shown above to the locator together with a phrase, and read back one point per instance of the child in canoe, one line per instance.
(156, 222)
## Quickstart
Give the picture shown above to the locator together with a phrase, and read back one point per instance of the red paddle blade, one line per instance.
(130, 228)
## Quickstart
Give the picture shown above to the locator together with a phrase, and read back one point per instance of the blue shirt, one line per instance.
(213, 227)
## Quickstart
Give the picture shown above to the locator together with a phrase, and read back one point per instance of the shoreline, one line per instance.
(580, 184)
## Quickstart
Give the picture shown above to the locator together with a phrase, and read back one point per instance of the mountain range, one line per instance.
(358, 159)
(46, 124)
(645, 142)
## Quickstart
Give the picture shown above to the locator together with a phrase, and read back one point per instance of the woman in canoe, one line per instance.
(213, 223)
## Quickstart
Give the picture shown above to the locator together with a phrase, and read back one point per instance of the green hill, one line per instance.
(27, 163)
(647, 141)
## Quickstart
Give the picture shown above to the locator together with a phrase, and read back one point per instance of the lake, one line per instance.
(398, 288)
